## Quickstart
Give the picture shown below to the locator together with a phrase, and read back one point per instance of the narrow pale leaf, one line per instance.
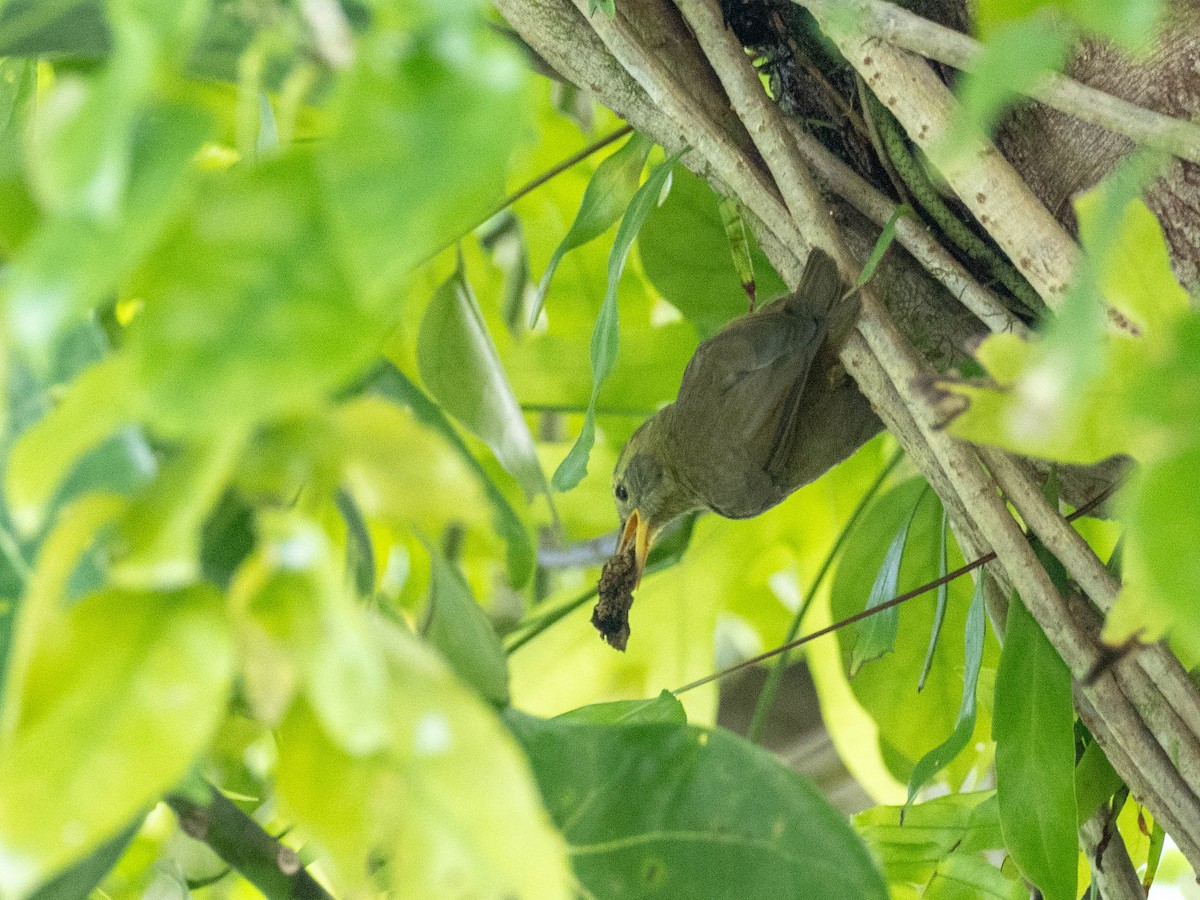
(605, 336)
(939, 614)
(937, 758)
(886, 237)
(609, 192)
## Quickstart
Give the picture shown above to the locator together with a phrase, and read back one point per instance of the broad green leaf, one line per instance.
(1014, 59)
(460, 630)
(610, 191)
(937, 758)
(390, 382)
(910, 841)
(426, 119)
(1033, 726)
(684, 249)
(605, 337)
(939, 614)
(877, 635)
(71, 27)
(462, 370)
(689, 812)
(663, 709)
(115, 707)
(448, 805)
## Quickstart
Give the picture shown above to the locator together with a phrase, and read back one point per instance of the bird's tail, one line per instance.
(820, 295)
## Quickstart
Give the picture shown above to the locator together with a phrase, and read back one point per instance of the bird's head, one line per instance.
(648, 491)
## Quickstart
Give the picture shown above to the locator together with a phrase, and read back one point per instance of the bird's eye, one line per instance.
(621, 493)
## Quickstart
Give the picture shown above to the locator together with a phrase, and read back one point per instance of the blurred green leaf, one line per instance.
(663, 709)
(689, 812)
(460, 630)
(877, 635)
(609, 192)
(390, 382)
(302, 628)
(426, 119)
(937, 758)
(462, 370)
(605, 336)
(73, 27)
(247, 316)
(157, 544)
(112, 713)
(1015, 58)
(1033, 726)
(85, 876)
(684, 248)
(96, 232)
(962, 876)
(1132, 22)
(448, 805)
(741, 248)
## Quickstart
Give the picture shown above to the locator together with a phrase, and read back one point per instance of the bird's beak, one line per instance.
(636, 534)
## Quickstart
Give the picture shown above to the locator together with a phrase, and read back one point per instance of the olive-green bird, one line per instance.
(764, 408)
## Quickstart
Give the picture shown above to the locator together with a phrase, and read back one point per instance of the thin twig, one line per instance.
(909, 31)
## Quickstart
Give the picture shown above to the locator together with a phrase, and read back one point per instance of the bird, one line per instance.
(764, 408)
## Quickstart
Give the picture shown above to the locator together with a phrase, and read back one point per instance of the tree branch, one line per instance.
(271, 867)
(909, 31)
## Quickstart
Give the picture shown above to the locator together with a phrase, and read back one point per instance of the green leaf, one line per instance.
(1095, 782)
(1033, 727)
(464, 635)
(426, 120)
(609, 7)
(877, 635)
(68, 27)
(390, 382)
(1131, 22)
(94, 406)
(886, 237)
(910, 841)
(462, 370)
(609, 192)
(937, 758)
(78, 254)
(1014, 59)
(158, 541)
(740, 246)
(674, 810)
(114, 708)
(663, 709)
(684, 248)
(939, 614)
(962, 876)
(302, 628)
(605, 336)
(85, 876)
(448, 805)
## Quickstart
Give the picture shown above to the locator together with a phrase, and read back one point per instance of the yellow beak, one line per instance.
(636, 533)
